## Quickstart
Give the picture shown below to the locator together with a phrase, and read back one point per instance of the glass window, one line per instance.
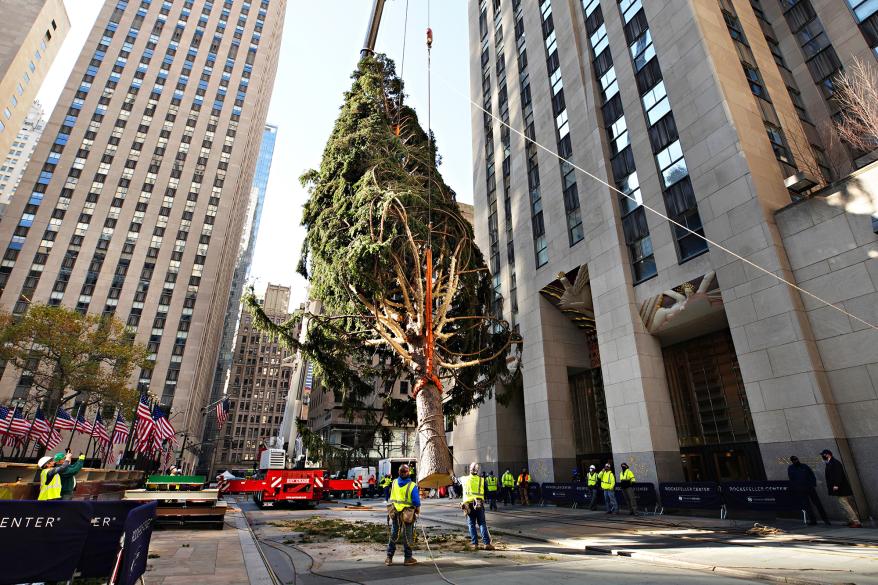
(672, 164)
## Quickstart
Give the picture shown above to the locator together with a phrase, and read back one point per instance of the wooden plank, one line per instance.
(144, 495)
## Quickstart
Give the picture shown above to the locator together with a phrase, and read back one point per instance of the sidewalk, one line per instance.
(804, 555)
(209, 557)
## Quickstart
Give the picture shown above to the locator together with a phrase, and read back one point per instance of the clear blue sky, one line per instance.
(321, 46)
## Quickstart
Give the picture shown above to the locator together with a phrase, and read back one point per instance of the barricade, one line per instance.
(645, 494)
(584, 495)
(699, 495)
(771, 496)
(558, 493)
(52, 540)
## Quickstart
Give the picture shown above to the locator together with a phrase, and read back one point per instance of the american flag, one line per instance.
(19, 426)
(63, 420)
(222, 411)
(100, 431)
(40, 428)
(53, 439)
(4, 419)
(169, 453)
(120, 430)
(163, 426)
(145, 425)
(82, 425)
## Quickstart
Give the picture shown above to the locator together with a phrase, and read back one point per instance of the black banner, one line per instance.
(533, 492)
(644, 492)
(584, 494)
(761, 495)
(41, 541)
(104, 537)
(138, 532)
(559, 492)
(699, 495)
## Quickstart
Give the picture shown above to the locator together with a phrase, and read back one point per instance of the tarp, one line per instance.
(104, 537)
(42, 541)
(138, 532)
(760, 495)
(704, 495)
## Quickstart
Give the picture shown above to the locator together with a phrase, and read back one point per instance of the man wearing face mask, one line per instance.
(839, 487)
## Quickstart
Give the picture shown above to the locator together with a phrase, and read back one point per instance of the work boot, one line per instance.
(410, 561)
(854, 525)
(388, 561)
(489, 546)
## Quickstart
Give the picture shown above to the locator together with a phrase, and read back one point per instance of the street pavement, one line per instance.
(536, 544)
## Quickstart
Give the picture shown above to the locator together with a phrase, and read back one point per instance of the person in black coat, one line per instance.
(839, 487)
(804, 483)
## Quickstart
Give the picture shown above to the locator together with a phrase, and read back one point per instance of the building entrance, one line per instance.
(711, 412)
(591, 426)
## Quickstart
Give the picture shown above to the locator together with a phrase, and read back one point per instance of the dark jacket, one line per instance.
(836, 477)
(68, 482)
(802, 479)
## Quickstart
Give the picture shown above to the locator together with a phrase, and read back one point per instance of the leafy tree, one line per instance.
(377, 205)
(66, 355)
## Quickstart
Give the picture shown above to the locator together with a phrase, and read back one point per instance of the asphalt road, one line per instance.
(518, 561)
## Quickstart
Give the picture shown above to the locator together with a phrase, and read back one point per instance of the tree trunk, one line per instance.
(435, 464)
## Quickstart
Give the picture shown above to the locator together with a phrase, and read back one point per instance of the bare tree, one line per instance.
(857, 95)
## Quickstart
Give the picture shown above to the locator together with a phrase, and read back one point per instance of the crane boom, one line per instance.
(372, 31)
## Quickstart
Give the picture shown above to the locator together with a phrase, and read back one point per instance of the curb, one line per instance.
(652, 558)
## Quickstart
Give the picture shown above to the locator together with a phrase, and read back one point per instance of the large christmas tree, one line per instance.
(378, 208)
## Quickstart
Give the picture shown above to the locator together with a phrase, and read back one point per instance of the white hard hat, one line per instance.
(474, 467)
(591, 467)
(43, 460)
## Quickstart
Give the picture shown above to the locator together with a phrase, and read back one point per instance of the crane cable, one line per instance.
(405, 29)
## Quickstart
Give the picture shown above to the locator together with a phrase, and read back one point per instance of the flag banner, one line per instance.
(163, 425)
(18, 426)
(100, 431)
(82, 425)
(40, 428)
(222, 411)
(63, 420)
(120, 430)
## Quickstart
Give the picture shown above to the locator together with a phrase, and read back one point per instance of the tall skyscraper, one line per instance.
(240, 277)
(642, 341)
(31, 33)
(135, 199)
(20, 152)
(258, 385)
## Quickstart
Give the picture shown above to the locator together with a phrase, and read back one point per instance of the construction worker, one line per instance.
(50, 478)
(607, 480)
(491, 486)
(592, 483)
(405, 505)
(626, 482)
(67, 475)
(372, 486)
(523, 485)
(385, 486)
(508, 484)
(473, 504)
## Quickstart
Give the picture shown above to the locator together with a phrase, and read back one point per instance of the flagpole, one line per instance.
(110, 444)
(9, 426)
(131, 431)
(92, 433)
(24, 444)
(73, 430)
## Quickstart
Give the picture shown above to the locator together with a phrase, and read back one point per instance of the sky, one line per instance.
(321, 46)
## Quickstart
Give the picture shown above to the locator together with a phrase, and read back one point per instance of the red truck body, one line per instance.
(281, 485)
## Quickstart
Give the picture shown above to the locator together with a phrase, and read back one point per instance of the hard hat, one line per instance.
(43, 460)
(591, 467)
(59, 457)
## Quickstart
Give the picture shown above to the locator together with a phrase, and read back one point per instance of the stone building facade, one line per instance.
(31, 34)
(643, 342)
(134, 202)
(20, 152)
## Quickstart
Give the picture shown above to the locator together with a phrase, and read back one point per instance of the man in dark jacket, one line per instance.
(839, 487)
(803, 482)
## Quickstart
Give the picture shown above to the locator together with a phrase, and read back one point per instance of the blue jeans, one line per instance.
(478, 517)
(408, 536)
(610, 500)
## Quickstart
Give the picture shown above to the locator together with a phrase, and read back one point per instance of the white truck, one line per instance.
(391, 466)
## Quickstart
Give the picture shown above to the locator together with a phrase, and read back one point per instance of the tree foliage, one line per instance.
(377, 203)
(66, 355)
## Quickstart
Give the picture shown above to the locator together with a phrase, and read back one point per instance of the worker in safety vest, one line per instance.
(385, 486)
(607, 480)
(372, 486)
(405, 504)
(491, 486)
(473, 504)
(626, 482)
(507, 481)
(592, 482)
(523, 484)
(50, 478)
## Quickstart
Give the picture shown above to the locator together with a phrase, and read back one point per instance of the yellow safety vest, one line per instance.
(473, 488)
(491, 482)
(626, 475)
(608, 480)
(508, 480)
(523, 478)
(592, 479)
(401, 496)
(52, 491)
(386, 481)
